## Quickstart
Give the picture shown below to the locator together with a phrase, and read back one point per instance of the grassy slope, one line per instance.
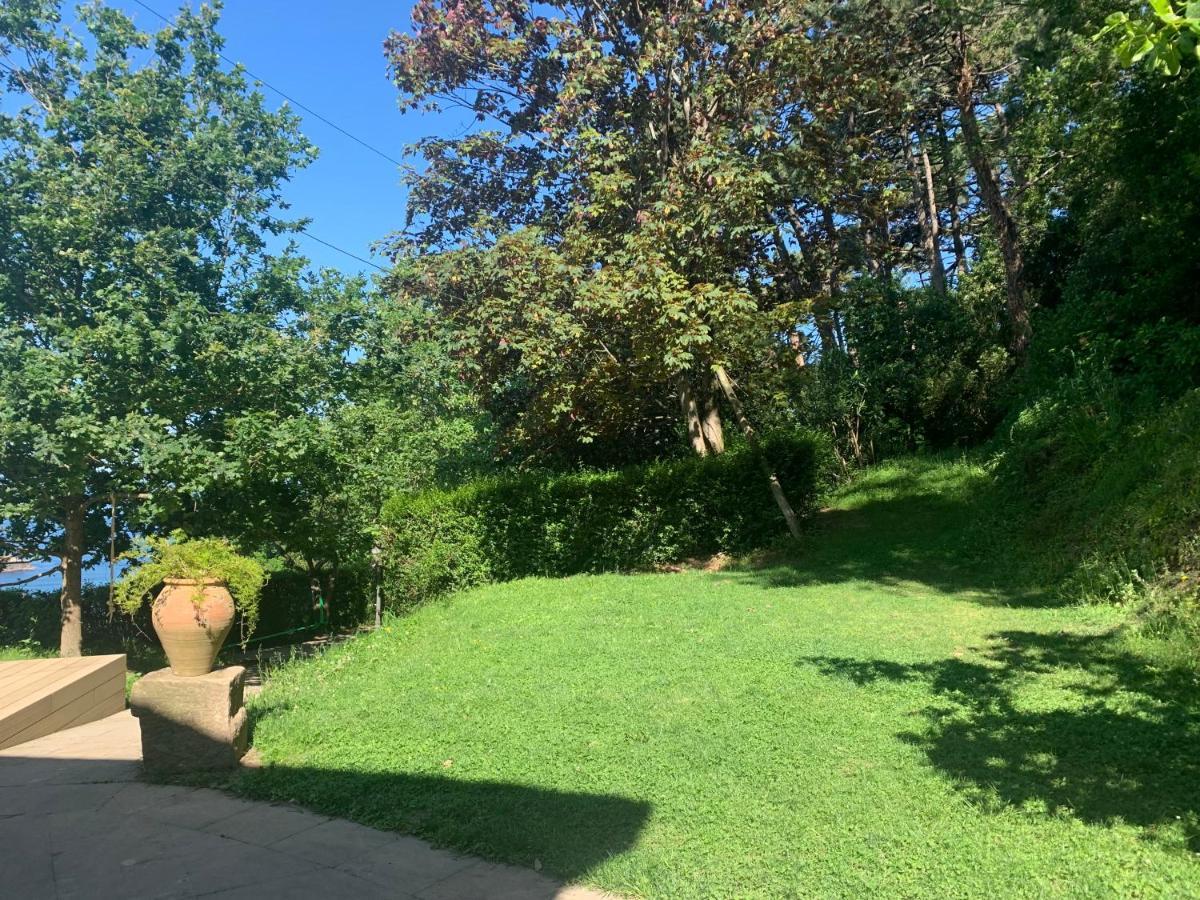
(889, 713)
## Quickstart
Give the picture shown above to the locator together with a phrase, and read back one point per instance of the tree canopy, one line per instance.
(142, 310)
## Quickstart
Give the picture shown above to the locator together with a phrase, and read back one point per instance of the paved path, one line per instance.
(76, 822)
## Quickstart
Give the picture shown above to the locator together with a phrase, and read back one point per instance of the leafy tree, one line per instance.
(385, 417)
(620, 158)
(1164, 40)
(140, 309)
(675, 181)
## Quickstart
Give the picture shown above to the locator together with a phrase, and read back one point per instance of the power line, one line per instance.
(304, 231)
(366, 262)
(312, 112)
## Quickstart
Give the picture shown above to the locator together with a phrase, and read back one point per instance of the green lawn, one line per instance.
(22, 651)
(892, 713)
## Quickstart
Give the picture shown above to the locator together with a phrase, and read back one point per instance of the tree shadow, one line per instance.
(905, 527)
(562, 833)
(566, 834)
(1066, 725)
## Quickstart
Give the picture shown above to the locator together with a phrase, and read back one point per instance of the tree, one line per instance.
(139, 305)
(381, 417)
(1165, 41)
(611, 223)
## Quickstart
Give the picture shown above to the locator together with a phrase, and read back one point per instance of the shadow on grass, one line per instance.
(908, 526)
(570, 833)
(566, 834)
(1065, 724)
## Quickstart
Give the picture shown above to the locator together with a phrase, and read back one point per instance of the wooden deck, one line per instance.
(41, 696)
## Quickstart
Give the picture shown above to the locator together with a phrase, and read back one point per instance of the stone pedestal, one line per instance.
(190, 724)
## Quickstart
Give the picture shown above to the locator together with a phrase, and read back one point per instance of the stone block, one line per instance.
(190, 723)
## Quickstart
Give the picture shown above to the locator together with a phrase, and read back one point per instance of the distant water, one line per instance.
(95, 575)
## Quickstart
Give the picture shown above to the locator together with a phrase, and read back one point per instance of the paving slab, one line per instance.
(265, 823)
(333, 842)
(493, 882)
(25, 868)
(407, 864)
(75, 822)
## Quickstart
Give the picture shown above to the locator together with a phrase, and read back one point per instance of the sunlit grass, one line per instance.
(889, 711)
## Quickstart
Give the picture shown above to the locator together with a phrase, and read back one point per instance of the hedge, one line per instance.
(35, 618)
(633, 518)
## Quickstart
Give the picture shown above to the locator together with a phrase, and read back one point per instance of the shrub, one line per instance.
(35, 617)
(553, 525)
(1101, 491)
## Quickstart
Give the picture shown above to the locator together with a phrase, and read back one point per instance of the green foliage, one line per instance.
(1164, 40)
(928, 370)
(1096, 461)
(1104, 495)
(540, 524)
(201, 559)
(886, 713)
(575, 354)
(140, 310)
(22, 651)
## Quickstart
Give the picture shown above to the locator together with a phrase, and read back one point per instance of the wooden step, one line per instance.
(41, 696)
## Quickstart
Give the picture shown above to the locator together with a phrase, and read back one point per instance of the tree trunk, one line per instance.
(935, 223)
(329, 590)
(952, 192)
(1003, 224)
(875, 241)
(714, 429)
(71, 596)
(739, 415)
(825, 330)
(927, 215)
(691, 415)
(823, 315)
(885, 247)
(798, 346)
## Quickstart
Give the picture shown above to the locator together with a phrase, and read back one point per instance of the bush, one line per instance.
(554, 525)
(287, 599)
(926, 371)
(34, 618)
(1101, 491)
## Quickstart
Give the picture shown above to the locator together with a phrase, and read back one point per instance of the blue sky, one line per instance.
(329, 56)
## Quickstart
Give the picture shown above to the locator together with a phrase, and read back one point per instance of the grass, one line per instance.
(23, 651)
(889, 711)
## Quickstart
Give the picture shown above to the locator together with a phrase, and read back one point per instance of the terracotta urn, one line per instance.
(192, 619)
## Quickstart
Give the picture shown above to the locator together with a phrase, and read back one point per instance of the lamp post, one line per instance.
(377, 567)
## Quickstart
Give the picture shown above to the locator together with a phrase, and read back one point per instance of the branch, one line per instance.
(120, 495)
(17, 583)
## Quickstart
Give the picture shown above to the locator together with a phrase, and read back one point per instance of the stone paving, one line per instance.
(75, 821)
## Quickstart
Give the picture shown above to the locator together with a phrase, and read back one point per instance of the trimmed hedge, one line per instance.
(554, 525)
